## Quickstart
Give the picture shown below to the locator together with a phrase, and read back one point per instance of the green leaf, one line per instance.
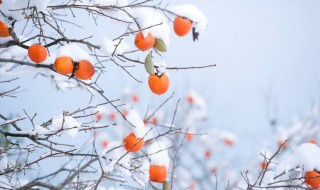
(160, 45)
(148, 64)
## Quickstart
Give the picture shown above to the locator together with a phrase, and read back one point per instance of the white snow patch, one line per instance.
(158, 154)
(304, 155)
(108, 47)
(139, 129)
(75, 52)
(68, 123)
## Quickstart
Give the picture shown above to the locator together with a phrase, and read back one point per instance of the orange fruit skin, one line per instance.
(135, 98)
(157, 173)
(312, 179)
(37, 53)
(313, 141)
(263, 165)
(189, 136)
(63, 65)
(85, 70)
(105, 144)
(144, 43)
(207, 153)
(182, 26)
(4, 31)
(132, 143)
(159, 85)
(190, 99)
(228, 142)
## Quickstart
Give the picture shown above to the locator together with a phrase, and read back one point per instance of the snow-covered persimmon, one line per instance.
(4, 31)
(157, 173)
(133, 144)
(313, 141)
(37, 53)
(312, 178)
(182, 26)
(85, 70)
(63, 65)
(144, 43)
(159, 85)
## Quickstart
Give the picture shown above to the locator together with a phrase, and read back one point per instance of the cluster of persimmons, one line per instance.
(160, 84)
(84, 70)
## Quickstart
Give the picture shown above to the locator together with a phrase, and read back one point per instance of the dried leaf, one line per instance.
(148, 64)
(160, 45)
(89, 47)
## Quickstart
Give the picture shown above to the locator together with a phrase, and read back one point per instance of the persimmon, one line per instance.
(4, 31)
(313, 141)
(85, 70)
(157, 173)
(182, 26)
(312, 178)
(63, 65)
(125, 112)
(98, 116)
(37, 53)
(113, 115)
(133, 144)
(154, 120)
(213, 170)
(159, 85)
(144, 43)
(190, 99)
(105, 144)
(135, 98)
(207, 153)
(189, 136)
(228, 142)
(284, 144)
(263, 165)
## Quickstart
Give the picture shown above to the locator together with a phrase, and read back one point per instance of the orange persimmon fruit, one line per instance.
(4, 31)
(85, 70)
(207, 154)
(133, 144)
(37, 53)
(144, 43)
(159, 85)
(157, 173)
(228, 142)
(98, 116)
(63, 65)
(113, 115)
(190, 99)
(189, 136)
(105, 144)
(312, 178)
(263, 165)
(182, 26)
(135, 98)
